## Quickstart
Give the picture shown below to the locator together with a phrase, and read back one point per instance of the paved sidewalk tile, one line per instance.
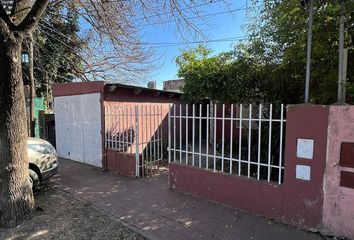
(149, 205)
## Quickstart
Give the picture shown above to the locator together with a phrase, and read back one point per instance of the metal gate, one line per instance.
(136, 130)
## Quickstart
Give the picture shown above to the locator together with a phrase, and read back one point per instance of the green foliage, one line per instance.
(270, 66)
(218, 77)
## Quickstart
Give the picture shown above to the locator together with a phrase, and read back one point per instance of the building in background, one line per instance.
(38, 106)
(173, 85)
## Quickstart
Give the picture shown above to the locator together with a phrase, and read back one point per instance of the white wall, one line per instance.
(78, 128)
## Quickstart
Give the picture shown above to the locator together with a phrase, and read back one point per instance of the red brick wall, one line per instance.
(122, 163)
(257, 197)
(76, 88)
(303, 199)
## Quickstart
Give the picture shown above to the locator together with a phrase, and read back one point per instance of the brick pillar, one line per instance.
(305, 159)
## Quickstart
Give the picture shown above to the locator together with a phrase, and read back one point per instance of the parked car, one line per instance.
(43, 161)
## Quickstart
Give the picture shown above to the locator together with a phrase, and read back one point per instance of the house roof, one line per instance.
(113, 86)
(74, 88)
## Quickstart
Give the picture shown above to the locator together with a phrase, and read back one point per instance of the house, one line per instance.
(88, 128)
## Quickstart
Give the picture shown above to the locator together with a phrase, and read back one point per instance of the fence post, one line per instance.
(137, 155)
(169, 133)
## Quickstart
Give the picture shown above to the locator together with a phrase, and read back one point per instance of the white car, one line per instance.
(43, 161)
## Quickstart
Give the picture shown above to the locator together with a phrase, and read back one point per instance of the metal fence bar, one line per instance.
(174, 132)
(231, 135)
(158, 134)
(114, 127)
(127, 131)
(161, 133)
(187, 134)
(118, 128)
(215, 114)
(154, 135)
(281, 143)
(240, 142)
(180, 133)
(137, 155)
(193, 132)
(131, 130)
(200, 135)
(259, 141)
(105, 126)
(249, 140)
(116, 139)
(207, 138)
(223, 138)
(124, 122)
(270, 141)
(146, 136)
(142, 141)
(169, 135)
(150, 136)
(108, 126)
(111, 126)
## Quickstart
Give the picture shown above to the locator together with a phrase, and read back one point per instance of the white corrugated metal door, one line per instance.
(78, 128)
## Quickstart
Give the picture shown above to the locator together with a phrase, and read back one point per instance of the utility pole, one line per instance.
(341, 81)
(309, 46)
(47, 89)
(32, 86)
(345, 67)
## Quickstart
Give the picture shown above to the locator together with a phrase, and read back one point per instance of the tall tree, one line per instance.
(16, 197)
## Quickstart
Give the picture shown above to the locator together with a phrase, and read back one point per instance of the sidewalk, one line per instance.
(149, 205)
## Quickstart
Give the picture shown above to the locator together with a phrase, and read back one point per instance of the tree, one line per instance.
(280, 26)
(58, 56)
(115, 28)
(228, 77)
(270, 66)
(16, 201)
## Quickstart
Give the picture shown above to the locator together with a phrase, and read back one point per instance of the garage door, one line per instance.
(78, 128)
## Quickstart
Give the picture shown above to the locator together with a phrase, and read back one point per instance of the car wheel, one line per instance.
(34, 179)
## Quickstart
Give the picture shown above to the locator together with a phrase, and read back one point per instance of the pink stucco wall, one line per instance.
(338, 210)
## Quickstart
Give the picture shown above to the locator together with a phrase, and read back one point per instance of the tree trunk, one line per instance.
(16, 197)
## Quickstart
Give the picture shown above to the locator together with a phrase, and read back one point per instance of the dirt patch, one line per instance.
(58, 215)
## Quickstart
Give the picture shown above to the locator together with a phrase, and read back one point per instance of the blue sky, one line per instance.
(220, 26)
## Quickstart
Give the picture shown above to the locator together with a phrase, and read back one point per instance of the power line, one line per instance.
(198, 17)
(173, 44)
(157, 44)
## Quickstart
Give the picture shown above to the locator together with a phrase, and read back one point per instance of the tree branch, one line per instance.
(5, 17)
(33, 16)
